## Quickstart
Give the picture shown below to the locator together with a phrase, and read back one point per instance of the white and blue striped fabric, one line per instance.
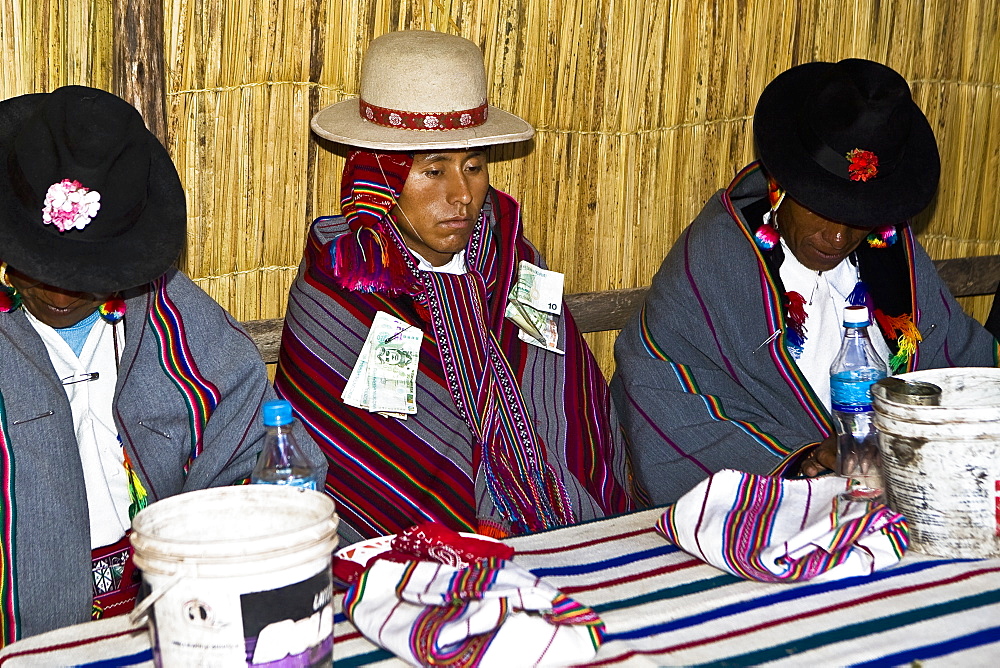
(663, 607)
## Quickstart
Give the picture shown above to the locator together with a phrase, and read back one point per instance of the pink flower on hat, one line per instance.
(69, 205)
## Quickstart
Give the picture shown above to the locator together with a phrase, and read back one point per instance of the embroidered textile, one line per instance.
(507, 437)
(773, 530)
(417, 120)
(704, 377)
(116, 579)
(491, 613)
(46, 576)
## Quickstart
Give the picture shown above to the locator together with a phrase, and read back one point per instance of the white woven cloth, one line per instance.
(663, 607)
(776, 530)
(493, 613)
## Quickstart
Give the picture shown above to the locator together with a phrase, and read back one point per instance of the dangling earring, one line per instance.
(112, 310)
(766, 237)
(10, 298)
(882, 237)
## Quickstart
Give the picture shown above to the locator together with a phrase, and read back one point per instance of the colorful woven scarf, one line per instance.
(176, 360)
(522, 485)
(366, 260)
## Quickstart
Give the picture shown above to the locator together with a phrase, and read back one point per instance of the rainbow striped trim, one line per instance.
(914, 358)
(750, 523)
(712, 404)
(469, 584)
(355, 594)
(9, 616)
(783, 360)
(567, 611)
(178, 363)
(368, 198)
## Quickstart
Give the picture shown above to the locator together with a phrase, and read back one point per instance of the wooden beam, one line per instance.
(138, 72)
(267, 335)
(605, 310)
(970, 276)
(610, 309)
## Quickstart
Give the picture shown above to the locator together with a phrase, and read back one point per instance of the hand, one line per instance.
(822, 458)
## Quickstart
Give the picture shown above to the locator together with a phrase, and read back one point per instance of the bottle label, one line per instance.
(850, 391)
(299, 483)
(849, 408)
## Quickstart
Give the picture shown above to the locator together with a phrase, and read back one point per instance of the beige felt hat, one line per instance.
(420, 90)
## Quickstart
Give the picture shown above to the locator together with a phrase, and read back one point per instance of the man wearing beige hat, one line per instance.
(426, 347)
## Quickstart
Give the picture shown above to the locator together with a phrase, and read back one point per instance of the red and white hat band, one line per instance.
(409, 120)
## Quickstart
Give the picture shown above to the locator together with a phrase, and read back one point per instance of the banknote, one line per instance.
(539, 288)
(534, 304)
(515, 312)
(356, 391)
(384, 378)
(392, 369)
(539, 328)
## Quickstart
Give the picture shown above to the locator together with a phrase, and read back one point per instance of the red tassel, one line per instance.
(796, 320)
(364, 261)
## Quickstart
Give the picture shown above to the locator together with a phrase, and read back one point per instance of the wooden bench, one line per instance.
(609, 310)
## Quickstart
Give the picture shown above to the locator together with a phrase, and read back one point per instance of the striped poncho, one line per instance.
(704, 378)
(186, 408)
(387, 473)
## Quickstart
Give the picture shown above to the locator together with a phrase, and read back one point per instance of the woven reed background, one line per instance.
(643, 109)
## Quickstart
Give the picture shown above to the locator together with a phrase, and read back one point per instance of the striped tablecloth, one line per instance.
(663, 607)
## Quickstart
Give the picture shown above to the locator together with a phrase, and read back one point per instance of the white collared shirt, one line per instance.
(96, 434)
(826, 294)
(456, 265)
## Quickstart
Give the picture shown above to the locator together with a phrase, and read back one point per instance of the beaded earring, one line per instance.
(10, 298)
(112, 310)
(882, 237)
(766, 236)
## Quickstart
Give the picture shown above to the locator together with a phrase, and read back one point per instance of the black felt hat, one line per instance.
(91, 137)
(814, 121)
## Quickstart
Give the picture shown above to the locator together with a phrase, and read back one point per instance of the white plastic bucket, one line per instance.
(942, 463)
(239, 576)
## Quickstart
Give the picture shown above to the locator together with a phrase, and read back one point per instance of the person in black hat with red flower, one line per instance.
(121, 382)
(727, 365)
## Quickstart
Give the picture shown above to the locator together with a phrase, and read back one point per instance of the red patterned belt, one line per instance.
(116, 579)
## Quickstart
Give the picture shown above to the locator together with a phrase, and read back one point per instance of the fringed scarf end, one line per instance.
(795, 331)
(860, 296)
(906, 334)
(364, 262)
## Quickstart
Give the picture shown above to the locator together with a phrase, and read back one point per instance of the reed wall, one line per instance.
(643, 110)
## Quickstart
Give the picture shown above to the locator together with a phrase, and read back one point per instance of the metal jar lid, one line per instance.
(912, 392)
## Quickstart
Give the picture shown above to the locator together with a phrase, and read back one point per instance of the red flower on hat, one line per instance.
(864, 165)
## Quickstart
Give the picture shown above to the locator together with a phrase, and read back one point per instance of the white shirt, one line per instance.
(96, 435)
(826, 294)
(456, 265)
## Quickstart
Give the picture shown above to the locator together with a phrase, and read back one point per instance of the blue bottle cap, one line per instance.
(856, 316)
(277, 413)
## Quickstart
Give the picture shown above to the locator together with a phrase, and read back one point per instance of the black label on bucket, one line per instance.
(290, 626)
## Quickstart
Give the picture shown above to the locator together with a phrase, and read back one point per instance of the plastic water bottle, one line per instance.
(282, 461)
(856, 367)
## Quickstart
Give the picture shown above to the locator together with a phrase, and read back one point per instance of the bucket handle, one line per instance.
(138, 616)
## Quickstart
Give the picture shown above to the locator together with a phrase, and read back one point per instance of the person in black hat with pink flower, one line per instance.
(727, 364)
(121, 382)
